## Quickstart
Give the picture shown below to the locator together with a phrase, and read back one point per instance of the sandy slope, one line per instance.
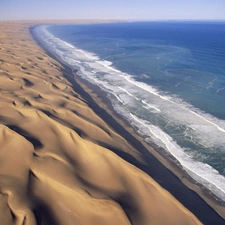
(55, 164)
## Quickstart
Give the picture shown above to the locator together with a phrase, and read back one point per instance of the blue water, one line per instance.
(166, 78)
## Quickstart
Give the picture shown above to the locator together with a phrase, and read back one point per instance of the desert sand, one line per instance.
(56, 162)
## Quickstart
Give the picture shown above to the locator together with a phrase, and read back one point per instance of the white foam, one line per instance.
(200, 171)
(150, 106)
(128, 93)
(108, 65)
(144, 86)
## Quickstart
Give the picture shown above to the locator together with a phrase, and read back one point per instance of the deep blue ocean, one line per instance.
(166, 78)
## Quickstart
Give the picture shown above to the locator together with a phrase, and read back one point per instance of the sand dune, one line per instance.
(56, 163)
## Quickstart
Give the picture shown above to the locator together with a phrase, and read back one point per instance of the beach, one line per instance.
(68, 158)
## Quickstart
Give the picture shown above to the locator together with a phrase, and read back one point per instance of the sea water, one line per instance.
(167, 79)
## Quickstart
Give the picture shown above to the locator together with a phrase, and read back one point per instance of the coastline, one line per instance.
(151, 154)
(127, 144)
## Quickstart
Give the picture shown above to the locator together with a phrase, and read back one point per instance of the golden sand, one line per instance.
(56, 166)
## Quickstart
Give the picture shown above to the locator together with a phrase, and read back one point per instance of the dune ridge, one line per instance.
(56, 163)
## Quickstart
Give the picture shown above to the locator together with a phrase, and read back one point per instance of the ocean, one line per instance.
(167, 79)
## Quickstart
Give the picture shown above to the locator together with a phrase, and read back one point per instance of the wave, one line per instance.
(201, 172)
(181, 129)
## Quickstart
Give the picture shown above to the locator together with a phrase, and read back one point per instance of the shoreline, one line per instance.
(171, 175)
(67, 157)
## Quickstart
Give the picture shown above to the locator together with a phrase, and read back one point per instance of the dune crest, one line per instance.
(56, 163)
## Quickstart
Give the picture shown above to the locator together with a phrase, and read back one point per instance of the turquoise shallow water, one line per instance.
(166, 79)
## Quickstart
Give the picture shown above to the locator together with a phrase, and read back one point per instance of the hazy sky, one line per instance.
(116, 9)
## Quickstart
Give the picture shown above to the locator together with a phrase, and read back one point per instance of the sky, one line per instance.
(116, 9)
